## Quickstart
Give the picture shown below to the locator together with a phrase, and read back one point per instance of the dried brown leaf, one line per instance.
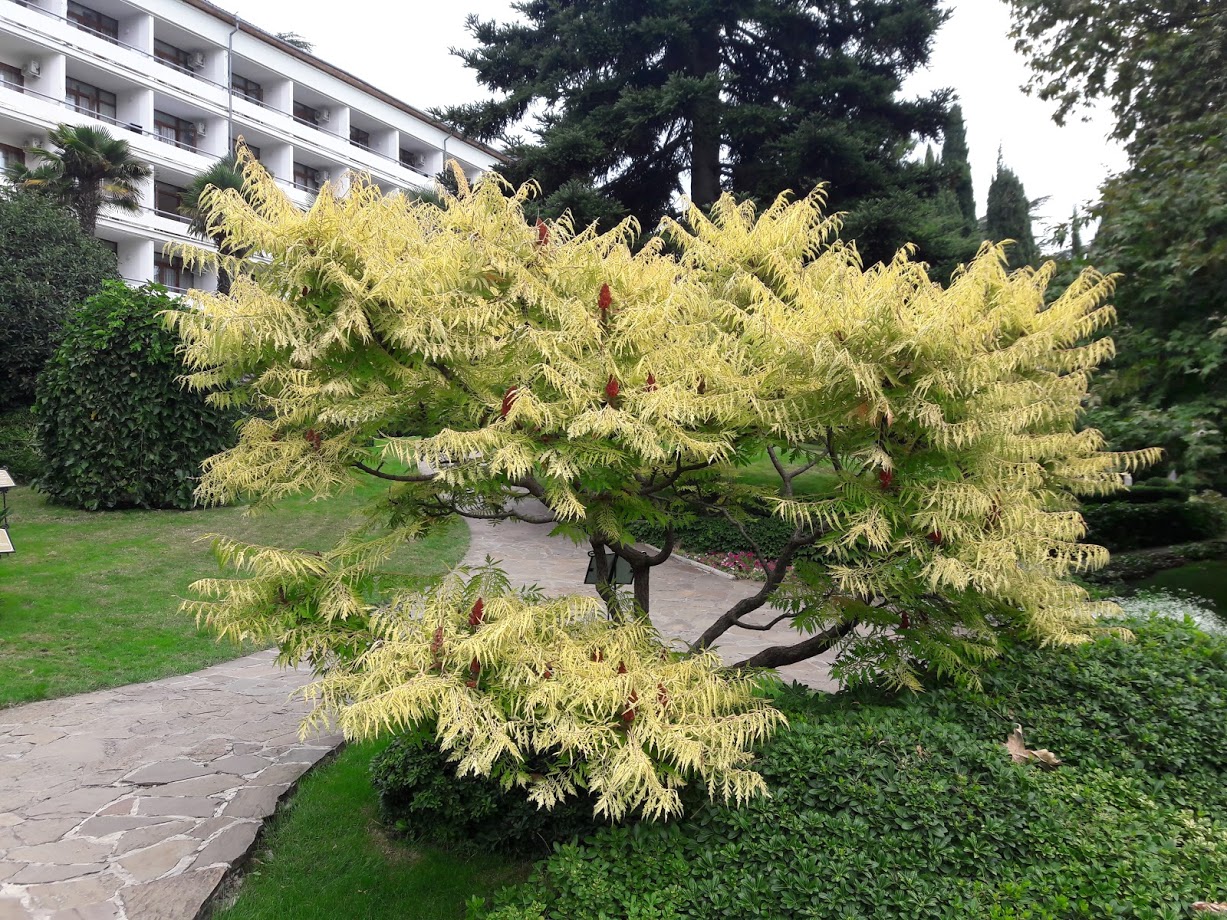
(1020, 753)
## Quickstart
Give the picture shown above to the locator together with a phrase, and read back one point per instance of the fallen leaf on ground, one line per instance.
(1020, 753)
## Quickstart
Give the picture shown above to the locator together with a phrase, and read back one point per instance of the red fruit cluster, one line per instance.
(628, 714)
(314, 438)
(936, 538)
(662, 696)
(476, 614)
(508, 399)
(605, 299)
(436, 646)
(650, 386)
(612, 389)
(885, 478)
(543, 232)
(905, 622)
(597, 656)
(702, 386)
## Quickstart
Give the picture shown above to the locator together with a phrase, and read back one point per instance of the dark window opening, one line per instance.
(248, 89)
(306, 177)
(360, 138)
(167, 199)
(90, 20)
(175, 57)
(170, 272)
(12, 77)
(306, 113)
(178, 131)
(90, 100)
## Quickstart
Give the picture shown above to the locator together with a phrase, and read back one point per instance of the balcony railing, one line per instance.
(417, 170)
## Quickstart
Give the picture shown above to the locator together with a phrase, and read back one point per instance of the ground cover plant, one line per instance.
(325, 855)
(91, 599)
(614, 384)
(913, 807)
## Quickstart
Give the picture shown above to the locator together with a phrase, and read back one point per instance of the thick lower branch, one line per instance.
(779, 655)
(775, 575)
(395, 477)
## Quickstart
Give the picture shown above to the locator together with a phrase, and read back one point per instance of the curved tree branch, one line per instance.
(779, 655)
(394, 477)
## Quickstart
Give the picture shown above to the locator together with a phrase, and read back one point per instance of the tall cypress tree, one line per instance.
(1009, 216)
(956, 158)
(754, 96)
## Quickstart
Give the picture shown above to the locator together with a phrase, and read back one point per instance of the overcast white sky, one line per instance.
(406, 53)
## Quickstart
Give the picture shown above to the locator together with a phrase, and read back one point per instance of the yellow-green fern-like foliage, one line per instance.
(613, 385)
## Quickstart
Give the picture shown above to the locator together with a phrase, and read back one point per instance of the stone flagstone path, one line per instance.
(134, 803)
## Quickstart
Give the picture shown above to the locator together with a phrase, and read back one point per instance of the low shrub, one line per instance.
(116, 425)
(1129, 525)
(421, 796)
(913, 808)
(19, 452)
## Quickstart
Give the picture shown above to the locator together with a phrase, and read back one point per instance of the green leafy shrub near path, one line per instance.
(19, 452)
(914, 809)
(422, 798)
(117, 427)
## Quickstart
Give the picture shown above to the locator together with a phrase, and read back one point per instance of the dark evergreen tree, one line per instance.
(1009, 216)
(754, 96)
(957, 159)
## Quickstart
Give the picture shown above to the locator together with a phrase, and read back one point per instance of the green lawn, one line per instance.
(91, 599)
(815, 482)
(325, 856)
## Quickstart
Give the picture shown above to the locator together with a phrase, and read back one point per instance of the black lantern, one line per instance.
(622, 574)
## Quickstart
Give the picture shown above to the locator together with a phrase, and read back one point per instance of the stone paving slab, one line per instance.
(135, 802)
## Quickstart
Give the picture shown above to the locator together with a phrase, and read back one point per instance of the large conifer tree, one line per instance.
(755, 96)
(1009, 216)
(956, 158)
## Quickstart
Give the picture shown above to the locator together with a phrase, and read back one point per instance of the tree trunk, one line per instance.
(705, 130)
(87, 208)
(642, 573)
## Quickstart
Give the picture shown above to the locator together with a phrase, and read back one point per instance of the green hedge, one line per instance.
(1127, 525)
(717, 535)
(116, 425)
(913, 808)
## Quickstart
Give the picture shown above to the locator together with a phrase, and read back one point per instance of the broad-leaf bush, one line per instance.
(116, 425)
(913, 808)
(47, 267)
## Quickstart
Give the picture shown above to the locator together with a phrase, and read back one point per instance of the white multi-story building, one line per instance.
(180, 80)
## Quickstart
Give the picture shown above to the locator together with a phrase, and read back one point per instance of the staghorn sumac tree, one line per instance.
(491, 368)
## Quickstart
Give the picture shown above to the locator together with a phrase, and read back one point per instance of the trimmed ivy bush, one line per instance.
(711, 534)
(47, 267)
(913, 808)
(117, 428)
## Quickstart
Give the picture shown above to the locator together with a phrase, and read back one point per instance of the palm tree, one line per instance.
(225, 174)
(87, 169)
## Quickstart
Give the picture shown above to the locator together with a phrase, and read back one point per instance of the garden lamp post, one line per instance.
(6, 483)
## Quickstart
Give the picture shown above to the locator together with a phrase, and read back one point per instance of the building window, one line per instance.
(12, 77)
(109, 244)
(11, 156)
(175, 57)
(412, 160)
(248, 89)
(306, 114)
(306, 177)
(93, 21)
(360, 138)
(167, 199)
(170, 272)
(90, 100)
(177, 131)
